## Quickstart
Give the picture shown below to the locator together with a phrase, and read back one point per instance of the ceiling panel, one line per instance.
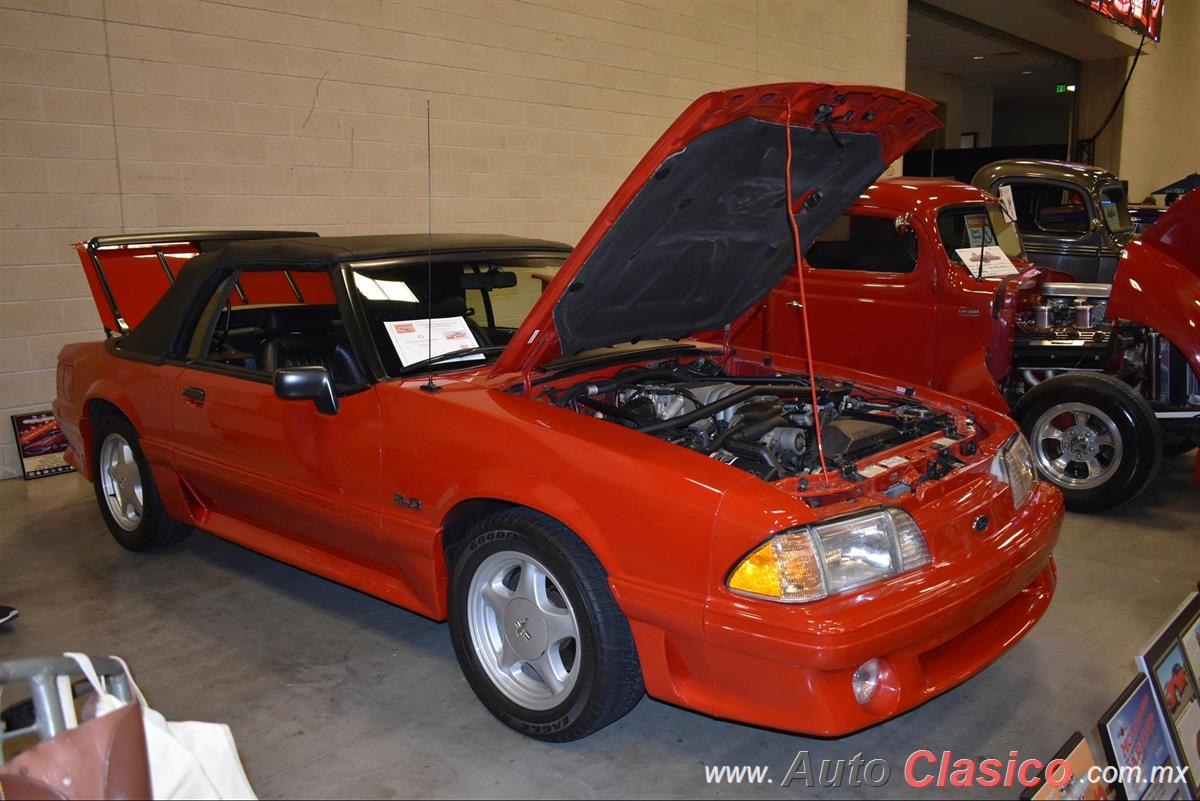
(1016, 73)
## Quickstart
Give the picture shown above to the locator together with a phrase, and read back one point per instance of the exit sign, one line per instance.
(1061, 89)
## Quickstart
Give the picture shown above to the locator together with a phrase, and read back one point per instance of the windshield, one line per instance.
(976, 226)
(1114, 207)
(474, 305)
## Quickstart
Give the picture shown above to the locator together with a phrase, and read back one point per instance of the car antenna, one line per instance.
(429, 386)
(812, 375)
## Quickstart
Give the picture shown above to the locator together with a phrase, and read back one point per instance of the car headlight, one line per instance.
(1014, 466)
(815, 562)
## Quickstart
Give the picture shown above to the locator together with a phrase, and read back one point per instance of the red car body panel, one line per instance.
(139, 274)
(668, 524)
(1158, 280)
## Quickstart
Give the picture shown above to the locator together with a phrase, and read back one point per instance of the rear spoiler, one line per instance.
(123, 300)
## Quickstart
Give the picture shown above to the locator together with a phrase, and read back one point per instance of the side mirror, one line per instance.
(307, 383)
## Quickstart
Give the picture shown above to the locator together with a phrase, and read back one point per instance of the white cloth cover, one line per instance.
(188, 760)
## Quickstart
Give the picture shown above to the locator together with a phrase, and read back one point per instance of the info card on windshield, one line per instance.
(996, 263)
(417, 340)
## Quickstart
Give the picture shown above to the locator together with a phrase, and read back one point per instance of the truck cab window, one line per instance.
(864, 243)
(1049, 208)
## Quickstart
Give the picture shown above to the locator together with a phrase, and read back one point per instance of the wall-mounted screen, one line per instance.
(1140, 16)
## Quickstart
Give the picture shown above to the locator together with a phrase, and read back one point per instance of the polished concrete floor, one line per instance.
(333, 694)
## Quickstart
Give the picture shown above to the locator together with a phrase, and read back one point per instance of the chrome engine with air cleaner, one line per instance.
(1067, 328)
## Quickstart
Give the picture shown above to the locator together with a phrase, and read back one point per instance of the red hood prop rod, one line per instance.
(812, 377)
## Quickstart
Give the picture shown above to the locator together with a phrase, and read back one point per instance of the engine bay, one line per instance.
(1067, 327)
(763, 424)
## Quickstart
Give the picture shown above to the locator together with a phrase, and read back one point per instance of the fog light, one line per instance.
(866, 681)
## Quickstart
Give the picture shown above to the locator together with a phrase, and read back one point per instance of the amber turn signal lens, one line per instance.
(831, 558)
(783, 568)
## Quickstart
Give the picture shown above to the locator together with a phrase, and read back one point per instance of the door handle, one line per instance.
(194, 394)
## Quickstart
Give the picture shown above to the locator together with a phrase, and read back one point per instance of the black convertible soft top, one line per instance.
(164, 330)
(322, 252)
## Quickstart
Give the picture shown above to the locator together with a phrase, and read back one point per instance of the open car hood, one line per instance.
(1176, 233)
(698, 233)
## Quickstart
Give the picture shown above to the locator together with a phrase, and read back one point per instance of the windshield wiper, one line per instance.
(425, 364)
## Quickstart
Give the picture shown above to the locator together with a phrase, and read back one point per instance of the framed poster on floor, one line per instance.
(1170, 661)
(1138, 742)
(41, 445)
(1077, 753)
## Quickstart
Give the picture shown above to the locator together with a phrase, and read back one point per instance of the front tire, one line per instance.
(536, 630)
(125, 490)
(1093, 436)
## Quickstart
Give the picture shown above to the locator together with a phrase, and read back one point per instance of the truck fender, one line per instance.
(969, 378)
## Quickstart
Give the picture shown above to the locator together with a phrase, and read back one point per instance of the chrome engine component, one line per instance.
(1064, 300)
(1067, 328)
(1083, 315)
(1062, 289)
(792, 442)
(1172, 380)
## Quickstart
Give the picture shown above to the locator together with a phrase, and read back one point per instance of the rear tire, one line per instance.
(537, 631)
(1093, 436)
(125, 489)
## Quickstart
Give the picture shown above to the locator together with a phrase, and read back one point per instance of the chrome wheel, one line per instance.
(121, 481)
(1076, 445)
(523, 630)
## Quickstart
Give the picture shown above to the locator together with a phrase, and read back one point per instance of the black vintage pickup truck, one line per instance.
(1073, 217)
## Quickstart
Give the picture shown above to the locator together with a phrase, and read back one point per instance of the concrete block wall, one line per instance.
(125, 115)
(1160, 118)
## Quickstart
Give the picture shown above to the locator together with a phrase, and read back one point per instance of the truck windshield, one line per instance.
(978, 225)
(1114, 207)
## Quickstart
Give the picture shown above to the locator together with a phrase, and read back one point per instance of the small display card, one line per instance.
(996, 263)
(417, 340)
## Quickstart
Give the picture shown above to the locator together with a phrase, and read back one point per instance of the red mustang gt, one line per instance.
(601, 495)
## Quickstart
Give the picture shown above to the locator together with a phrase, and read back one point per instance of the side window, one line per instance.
(1046, 208)
(861, 242)
(296, 324)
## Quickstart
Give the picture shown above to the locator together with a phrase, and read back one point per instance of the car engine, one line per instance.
(1066, 328)
(762, 424)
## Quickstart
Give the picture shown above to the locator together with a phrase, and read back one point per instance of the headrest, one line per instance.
(299, 319)
(453, 306)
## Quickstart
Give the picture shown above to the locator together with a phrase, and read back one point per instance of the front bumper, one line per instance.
(789, 667)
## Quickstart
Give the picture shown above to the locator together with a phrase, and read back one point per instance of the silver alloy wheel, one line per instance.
(1076, 445)
(121, 481)
(524, 630)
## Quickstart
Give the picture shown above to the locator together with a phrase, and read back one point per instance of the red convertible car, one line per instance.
(601, 499)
